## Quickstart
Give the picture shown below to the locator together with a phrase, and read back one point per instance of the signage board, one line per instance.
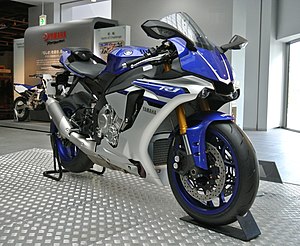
(44, 44)
(106, 39)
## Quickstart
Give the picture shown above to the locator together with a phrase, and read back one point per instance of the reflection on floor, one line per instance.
(40, 126)
(277, 145)
(13, 140)
(280, 146)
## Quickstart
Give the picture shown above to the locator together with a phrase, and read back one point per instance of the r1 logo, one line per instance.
(169, 89)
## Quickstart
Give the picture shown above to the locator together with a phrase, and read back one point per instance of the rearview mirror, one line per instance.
(161, 30)
(236, 43)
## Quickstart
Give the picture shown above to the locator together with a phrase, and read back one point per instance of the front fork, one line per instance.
(188, 160)
(194, 136)
(183, 127)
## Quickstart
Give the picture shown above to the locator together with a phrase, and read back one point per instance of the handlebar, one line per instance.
(57, 66)
(135, 61)
(40, 76)
(151, 55)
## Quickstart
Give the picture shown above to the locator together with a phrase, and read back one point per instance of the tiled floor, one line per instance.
(85, 209)
(13, 140)
(120, 209)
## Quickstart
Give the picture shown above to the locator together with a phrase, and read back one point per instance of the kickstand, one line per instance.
(57, 163)
(97, 172)
(248, 231)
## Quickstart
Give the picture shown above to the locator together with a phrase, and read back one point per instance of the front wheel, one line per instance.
(21, 110)
(229, 186)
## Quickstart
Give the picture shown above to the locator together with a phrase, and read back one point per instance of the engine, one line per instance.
(109, 125)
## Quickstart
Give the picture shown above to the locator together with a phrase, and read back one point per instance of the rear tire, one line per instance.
(21, 111)
(228, 151)
(70, 156)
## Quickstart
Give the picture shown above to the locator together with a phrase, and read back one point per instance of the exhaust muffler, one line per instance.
(64, 127)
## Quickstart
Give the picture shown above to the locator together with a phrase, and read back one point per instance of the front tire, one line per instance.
(70, 156)
(21, 110)
(230, 185)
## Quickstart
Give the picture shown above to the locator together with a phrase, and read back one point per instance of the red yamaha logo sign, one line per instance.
(54, 37)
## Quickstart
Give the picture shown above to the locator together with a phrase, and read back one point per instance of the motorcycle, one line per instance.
(153, 113)
(30, 97)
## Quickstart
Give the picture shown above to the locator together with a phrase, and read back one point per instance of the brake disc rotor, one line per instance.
(196, 189)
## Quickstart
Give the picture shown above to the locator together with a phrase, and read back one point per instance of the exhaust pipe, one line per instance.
(64, 127)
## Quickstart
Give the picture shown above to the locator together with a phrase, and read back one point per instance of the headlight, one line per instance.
(204, 93)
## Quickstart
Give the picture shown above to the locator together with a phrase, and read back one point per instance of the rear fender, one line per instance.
(197, 132)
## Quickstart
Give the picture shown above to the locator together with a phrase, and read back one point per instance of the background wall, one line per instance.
(288, 20)
(238, 57)
(35, 12)
(214, 17)
(263, 68)
(19, 61)
(73, 10)
(85, 9)
(99, 9)
(6, 59)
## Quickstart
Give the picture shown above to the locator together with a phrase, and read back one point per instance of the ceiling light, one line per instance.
(93, 1)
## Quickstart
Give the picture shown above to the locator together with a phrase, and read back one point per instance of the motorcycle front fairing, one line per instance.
(213, 66)
(209, 64)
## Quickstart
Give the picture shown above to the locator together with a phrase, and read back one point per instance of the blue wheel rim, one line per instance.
(66, 150)
(66, 153)
(208, 208)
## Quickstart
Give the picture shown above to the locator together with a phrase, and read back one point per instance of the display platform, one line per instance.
(119, 209)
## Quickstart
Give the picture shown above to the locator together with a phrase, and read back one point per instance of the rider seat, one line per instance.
(88, 69)
(85, 63)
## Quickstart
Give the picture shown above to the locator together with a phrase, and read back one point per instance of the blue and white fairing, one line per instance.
(208, 63)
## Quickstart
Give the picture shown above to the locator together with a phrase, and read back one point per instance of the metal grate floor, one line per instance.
(119, 209)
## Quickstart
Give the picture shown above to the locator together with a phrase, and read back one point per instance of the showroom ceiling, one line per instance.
(13, 22)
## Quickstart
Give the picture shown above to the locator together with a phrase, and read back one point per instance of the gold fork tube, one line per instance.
(181, 119)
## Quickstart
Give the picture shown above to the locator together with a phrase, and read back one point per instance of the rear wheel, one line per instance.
(21, 110)
(71, 157)
(229, 186)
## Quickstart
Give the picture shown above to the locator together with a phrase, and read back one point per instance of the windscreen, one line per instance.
(186, 25)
